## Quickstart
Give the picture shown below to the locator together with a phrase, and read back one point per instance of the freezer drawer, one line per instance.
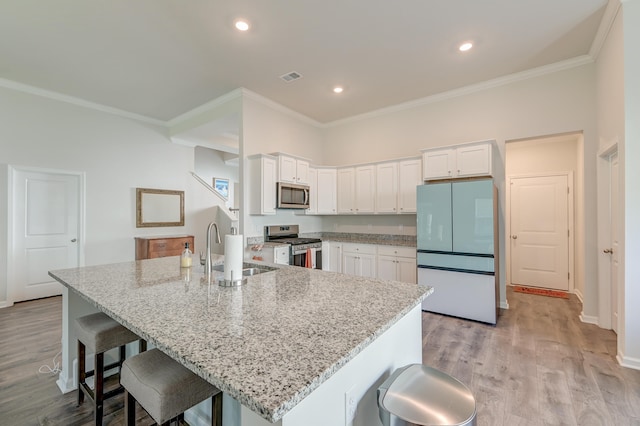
(460, 294)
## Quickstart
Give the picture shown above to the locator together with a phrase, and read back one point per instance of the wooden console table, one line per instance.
(161, 246)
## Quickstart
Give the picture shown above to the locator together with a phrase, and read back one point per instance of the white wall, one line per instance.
(550, 104)
(117, 155)
(629, 344)
(268, 128)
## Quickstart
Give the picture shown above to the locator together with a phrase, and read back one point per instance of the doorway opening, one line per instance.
(544, 187)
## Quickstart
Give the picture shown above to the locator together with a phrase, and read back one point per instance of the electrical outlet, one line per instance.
(351, 407)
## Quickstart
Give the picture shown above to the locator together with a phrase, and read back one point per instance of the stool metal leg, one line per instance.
(98, 387)
(82, 376)
(129, 409)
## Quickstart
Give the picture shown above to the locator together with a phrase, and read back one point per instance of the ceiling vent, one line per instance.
(291, 76)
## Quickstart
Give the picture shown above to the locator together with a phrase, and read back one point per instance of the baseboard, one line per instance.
(628, 362)
(504, 305)
(66, 384)
(589, 319)
(578, 293)
(6, 304)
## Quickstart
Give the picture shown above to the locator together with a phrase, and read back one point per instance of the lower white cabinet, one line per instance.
(331, 256)
(397, 263)
(359, 260)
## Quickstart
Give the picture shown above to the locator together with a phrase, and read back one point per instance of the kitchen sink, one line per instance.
(248, 269)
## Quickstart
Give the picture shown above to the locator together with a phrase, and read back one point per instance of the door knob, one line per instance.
(608, 250)
(515, 237)
(74, 240)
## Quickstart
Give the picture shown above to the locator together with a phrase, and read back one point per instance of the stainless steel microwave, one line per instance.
(292, 196)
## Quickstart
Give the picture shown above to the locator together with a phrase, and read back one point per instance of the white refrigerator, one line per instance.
(457, 248)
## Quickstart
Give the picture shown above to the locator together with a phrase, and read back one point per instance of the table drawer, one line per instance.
(153, 247)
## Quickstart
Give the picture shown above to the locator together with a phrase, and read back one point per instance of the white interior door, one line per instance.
(45, 231)
(613, 249)
(540, 232)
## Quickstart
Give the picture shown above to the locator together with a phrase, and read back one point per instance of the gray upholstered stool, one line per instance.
(165, 389)
(425, 396)
(98, 333)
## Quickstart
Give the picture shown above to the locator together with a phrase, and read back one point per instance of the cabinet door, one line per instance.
(313, 191)
(350, 264)
(302, 172)
(473, 160)
(326, 192)
(367, 265)
(434, 217)
(365, 185)
(438, 164)
(387, 268)
(473, 216)
(287, 169)
(410, 176)
(335, 257)
(387, 188)
(268, 186)
(406, 269)
(346, 188)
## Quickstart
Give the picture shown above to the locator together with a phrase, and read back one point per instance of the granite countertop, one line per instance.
(268, 343)
(347, 237)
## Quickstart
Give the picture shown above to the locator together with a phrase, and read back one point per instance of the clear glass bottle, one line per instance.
(185, 258)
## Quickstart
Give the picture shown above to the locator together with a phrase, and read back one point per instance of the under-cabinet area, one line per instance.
(385, 262)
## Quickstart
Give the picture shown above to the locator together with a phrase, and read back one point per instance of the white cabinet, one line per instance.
(409, 177)
(262, 170)
(332, 256)
(346, 190)
(460, 161)
(397, 263)
(293, 170)
(277, 254)
(365, 191)
(313, 191)
(387, 188)
(326, 191)
(396, 184)
(359, 260)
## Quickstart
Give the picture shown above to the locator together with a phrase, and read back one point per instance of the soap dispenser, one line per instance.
(185, 258)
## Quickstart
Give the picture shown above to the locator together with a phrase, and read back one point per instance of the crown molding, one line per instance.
(219, 101)
(32, 90)
(280, 108)
(467, 90)
(610, 13)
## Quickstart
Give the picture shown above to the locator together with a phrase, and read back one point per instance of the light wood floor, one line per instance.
(539, 366)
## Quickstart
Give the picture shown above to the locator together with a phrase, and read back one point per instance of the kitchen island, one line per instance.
(289, 347)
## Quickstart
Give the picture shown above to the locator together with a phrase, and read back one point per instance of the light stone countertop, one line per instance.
(268, 343)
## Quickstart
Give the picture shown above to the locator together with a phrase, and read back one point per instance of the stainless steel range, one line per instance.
(305, 252)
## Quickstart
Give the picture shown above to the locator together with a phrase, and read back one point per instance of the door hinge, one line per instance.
(568, 275)
(567, 190)
(568, 233)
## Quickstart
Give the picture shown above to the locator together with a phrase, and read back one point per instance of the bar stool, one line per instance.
(99, 333)
(424, 396)
(165, 389)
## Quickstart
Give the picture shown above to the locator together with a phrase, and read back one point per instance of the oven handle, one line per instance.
(304, 251)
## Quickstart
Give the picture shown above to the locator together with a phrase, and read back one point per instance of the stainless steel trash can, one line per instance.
(427, 397)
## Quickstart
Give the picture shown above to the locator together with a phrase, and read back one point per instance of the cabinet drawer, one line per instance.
(358, 248)
(397, 251)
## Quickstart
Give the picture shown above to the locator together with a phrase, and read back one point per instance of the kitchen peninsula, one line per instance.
(289, 347)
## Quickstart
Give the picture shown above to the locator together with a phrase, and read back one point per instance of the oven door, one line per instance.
(299, 257)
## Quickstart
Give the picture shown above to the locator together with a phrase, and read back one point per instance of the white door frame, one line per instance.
(11, 242)
(604, 236)
(570, 223)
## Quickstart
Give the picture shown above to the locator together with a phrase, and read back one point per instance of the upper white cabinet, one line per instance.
(346, 190)
(460, 161)
(387, 187)
(396, 184)
(293, 170)
(365, 188)
(326, 189)
(262, 170)
(410, 176)
(313, 191)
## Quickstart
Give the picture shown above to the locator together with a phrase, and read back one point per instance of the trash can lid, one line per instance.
(426, 396)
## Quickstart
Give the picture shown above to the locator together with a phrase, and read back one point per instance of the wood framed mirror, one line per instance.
(159, 207)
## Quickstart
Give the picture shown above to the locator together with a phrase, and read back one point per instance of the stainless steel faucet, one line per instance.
(207, 262)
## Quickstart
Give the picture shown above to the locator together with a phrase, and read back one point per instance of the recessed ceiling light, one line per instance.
(242, 25)
(465, 46)
(338, 89)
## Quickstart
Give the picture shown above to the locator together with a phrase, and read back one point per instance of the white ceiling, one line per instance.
(163, 58)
